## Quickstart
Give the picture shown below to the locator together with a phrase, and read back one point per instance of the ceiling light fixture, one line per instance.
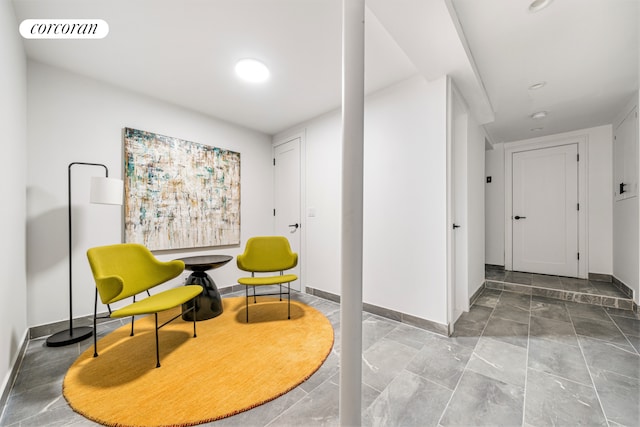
(537, 86)
(252, 70)
(538, 5)
(539, 115)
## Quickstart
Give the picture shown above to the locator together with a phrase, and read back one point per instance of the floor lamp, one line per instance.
(104, 190)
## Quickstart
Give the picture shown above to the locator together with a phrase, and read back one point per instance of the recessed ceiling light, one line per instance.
(252, 70)
(538, 5)
(537, 85)
(536, 129)
(539, 115)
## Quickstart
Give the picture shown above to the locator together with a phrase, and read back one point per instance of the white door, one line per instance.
(544, 214)
(287, 197)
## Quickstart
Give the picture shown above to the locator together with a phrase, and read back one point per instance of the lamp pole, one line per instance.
(72, 335)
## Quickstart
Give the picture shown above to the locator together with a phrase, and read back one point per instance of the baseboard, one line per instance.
(13, 373)
(622, 287)
(476, 294)
(387, 313)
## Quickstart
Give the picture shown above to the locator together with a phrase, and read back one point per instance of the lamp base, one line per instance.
(69, 336)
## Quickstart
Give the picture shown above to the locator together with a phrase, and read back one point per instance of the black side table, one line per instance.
(208, 303)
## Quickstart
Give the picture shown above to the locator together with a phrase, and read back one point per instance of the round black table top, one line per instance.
(205, 262)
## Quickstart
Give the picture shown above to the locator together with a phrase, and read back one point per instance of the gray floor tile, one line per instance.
(544, 281)
(383, 361)
(623, 313)
(549, 308)
(635, 342)
(488, 298)
(507, 331)
(553, 330)
(497, 275)
(627, 325)
(604, 355)
(318, 408)
(578, 285)
(476, 318)
(558, 359)
(510, 312)
(262, 414)
(409, 336)
(518, 277)
(619, 396)
(440, 361)
(329, 368)
(465, 337)
(587, 311)
(515, 299)
(553, 401)
(409, 400)
(607, 288)
(604, 330)
(374, 328)
(482, 401)
(499, 360)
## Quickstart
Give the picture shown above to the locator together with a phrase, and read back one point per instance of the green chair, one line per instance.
(267, 254)
(128, 269)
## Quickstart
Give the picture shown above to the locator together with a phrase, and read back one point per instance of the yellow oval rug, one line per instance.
(230, 367)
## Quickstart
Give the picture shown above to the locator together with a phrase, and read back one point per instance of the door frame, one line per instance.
(279, 140)
(457, 288)
(583, 231)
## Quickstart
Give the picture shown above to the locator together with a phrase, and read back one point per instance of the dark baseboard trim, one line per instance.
(13, 373)
(476, 294)
(408, 319)
(622, 287)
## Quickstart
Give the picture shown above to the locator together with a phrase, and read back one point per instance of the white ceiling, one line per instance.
(184, 51)
(586, 51)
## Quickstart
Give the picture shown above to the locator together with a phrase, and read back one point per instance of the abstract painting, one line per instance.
(180, 194)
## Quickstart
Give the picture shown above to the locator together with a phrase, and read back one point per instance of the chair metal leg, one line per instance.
(132, 318)
(95, 330)
(246, 301)
(157, 345)
(289, 301)
(194, 318)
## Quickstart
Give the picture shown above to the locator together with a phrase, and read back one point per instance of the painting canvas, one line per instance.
(180, 194)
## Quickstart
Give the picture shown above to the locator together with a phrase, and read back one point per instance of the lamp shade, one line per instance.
(106, 191)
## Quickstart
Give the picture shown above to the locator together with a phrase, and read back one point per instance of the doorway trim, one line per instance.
(283, 139)
(583, 232)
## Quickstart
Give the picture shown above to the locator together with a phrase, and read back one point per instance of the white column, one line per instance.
(352, 186)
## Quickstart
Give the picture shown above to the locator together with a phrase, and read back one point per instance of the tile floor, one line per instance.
(514, 360)
(593, 292)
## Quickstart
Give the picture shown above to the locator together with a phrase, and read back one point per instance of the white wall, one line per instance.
(13, 111)
(626, 234)
(494, 205)
(404, 199)
(599, 198)
(405, 183)
(73, 118)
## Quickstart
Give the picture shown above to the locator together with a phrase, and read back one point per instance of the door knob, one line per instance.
(519, 217)
(296, 225)
(455, 226)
